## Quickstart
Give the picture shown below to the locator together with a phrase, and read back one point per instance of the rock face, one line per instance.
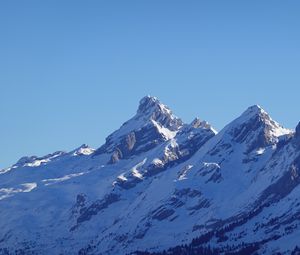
(298, 130)
(159, 184)
(151, 108)
(153, 124)
(256, 128)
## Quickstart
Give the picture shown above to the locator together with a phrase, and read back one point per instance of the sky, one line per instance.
(71, 72)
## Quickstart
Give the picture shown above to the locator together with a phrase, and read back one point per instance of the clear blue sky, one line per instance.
(71, 72)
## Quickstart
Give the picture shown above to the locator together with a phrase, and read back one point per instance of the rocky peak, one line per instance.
(148, 103)
(254, 109)
(150, 108)
(26, 159)
(255, 128)
(197, 123)
(252, 112)
(83, 150)
(153, 123)
(36, 161)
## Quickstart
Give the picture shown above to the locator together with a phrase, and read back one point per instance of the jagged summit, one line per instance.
(198, 123)
(255, 108)
(255, 117)
(254, 128)
(31, 161)
(84, 149)
(147, 103)
(151, 109)
(252, 112)
(153, 124)
(256, 114)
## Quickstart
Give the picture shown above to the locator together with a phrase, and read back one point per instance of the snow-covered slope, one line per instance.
(156, 184)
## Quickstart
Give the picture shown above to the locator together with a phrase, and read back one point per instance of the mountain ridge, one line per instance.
(159, 183)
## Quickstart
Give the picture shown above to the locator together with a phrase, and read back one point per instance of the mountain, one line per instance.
(160, 186)
(153, 124)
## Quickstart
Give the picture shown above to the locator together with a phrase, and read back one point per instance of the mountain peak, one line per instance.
(196, 123)
(254, 110)
(153, 123)
(255, 128)
(255, 107)
(151, 109)
(149, 104)
(255, 114)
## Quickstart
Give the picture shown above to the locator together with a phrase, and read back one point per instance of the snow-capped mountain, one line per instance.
(160, 186)
(153, 123)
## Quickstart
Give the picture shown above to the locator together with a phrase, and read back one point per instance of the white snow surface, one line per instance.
(65, 202)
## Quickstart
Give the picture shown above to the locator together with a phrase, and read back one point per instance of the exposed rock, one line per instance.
(116, 156)
(152, 108)
(196, 123)
(153, 124)
(298, 130)
(256, 129)
(130, 140)
(162, 213)
(96, 208)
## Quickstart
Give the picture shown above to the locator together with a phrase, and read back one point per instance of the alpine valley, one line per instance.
(160, 186)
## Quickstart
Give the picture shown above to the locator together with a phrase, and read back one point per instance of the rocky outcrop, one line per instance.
(153, 124)
(297, 134)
